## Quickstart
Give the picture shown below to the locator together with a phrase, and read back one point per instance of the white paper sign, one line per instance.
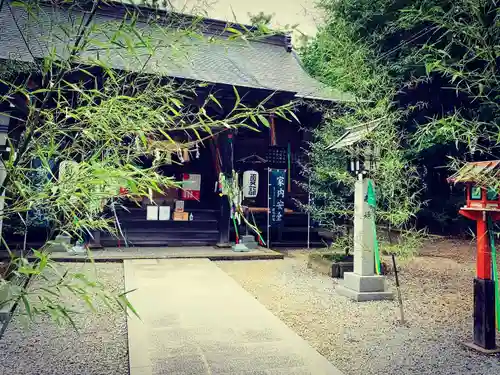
(152, 213)
(164, 213)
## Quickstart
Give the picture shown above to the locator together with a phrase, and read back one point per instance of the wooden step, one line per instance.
(154, 243)
(169, 231)
(296, 244)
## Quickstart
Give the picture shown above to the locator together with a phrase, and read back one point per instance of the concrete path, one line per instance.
(196, 319)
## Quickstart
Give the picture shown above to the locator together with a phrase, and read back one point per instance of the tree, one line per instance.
(342, 59)
(431, 69)
(261, 18)
(84, 127)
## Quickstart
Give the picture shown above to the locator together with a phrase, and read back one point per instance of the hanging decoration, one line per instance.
(229, 187)
(185, 155)
(168, 158)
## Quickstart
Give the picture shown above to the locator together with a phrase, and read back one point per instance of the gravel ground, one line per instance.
(100, 347)
(366, 338)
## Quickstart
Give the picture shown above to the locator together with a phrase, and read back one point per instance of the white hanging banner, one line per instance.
(250, 184)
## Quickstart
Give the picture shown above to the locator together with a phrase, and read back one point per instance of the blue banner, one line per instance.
(277, 193)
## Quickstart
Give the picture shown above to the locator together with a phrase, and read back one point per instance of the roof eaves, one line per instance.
(354, 134)
(474, 171)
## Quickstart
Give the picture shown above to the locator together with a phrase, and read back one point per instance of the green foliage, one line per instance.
(337, 257)
(339, 60)
(428, 69)
(86, 128)
(260, 18)
(342, 245)
(50, 287)
(406, 245)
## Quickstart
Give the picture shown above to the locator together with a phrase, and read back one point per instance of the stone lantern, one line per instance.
(362, 284)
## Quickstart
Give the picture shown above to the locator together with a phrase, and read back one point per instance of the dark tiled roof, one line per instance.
(263, 64)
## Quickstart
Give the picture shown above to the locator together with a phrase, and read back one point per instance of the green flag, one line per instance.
(370, 195)
(372, 202)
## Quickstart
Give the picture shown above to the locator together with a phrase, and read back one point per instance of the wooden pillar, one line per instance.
(484, 290)
(484, 286)
(483, 264)
(226, 146)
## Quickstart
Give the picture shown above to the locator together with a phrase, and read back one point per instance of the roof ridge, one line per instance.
(212, 26)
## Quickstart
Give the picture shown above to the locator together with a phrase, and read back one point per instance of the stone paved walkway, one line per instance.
(111, 254)
(195, 319)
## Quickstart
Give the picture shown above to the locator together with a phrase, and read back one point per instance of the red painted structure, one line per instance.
(483, 263)
(482, 205)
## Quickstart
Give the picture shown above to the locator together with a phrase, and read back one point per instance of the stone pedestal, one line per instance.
(249, 241)
(364, 288)
(240, 247)
(363, 284)
(61, 244)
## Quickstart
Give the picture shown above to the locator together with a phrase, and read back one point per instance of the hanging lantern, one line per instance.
(250, 184)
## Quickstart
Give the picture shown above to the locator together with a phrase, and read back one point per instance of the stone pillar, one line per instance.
(364, 260)
(363, 284)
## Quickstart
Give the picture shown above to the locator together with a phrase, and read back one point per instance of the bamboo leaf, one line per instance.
(264, 120)
(27, 306)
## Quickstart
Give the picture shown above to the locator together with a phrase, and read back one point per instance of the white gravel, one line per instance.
(99, 348)
(366, 338)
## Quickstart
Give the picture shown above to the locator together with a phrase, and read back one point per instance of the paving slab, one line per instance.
(196, 319)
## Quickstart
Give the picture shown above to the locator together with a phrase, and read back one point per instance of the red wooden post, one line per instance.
(483, 263)
(484, 286)
(483, 211)
(467, 196)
